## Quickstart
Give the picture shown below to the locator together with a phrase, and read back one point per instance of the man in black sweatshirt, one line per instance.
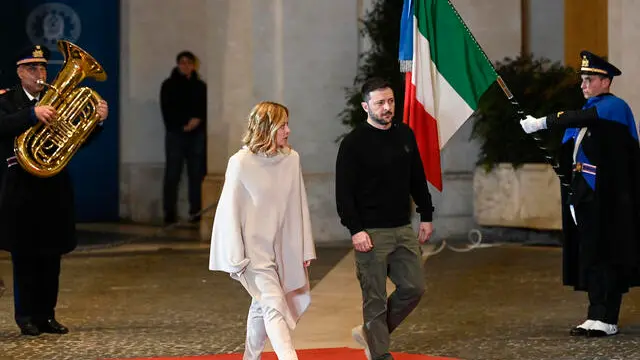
(378, 171)
(183, 101)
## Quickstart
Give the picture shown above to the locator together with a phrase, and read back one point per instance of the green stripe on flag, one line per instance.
(455, 53)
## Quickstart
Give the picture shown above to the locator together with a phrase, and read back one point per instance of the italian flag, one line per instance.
(445, 76)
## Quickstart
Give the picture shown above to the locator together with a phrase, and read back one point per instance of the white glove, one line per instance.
(531, 124)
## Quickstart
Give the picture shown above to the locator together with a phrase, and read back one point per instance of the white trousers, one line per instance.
(264, 321)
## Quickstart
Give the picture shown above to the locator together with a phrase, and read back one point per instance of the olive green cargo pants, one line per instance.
(397, 254)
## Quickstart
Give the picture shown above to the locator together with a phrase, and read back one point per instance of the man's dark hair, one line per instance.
(188, 54)
(373, 84)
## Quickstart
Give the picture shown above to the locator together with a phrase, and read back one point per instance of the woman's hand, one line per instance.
(307, 263)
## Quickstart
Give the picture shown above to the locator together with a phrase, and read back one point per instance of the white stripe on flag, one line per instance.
(439, 99)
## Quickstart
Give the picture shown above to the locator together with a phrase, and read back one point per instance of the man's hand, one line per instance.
(307, 263)
(45, 113)
(102, 110)
(531, 124)
(426, 229)
(362, 242)
(192, 124)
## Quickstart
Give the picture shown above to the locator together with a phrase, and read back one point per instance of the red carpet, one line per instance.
(307, 354)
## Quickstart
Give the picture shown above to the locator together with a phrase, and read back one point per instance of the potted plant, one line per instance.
(381, 25)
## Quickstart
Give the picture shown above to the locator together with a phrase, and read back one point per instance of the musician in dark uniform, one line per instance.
(600, 160)
(37, 217)
(2, 286)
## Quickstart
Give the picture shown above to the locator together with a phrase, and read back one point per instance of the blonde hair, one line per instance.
(264, 121)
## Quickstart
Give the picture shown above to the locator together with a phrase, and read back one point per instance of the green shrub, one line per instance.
(541, 88)
(381, 26)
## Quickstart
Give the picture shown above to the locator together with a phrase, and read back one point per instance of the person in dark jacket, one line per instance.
(183, 101)
(600, 160)
(378, 172)
(36, 213)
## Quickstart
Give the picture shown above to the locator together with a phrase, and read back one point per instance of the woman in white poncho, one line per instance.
(262, 233)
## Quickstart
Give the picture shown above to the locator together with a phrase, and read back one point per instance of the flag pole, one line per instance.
(516, 105)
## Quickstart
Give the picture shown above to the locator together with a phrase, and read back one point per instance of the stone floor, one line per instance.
(507, 303)
(502, 302)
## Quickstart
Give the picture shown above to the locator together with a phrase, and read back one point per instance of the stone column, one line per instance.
(624, 35)
(149, 45)
(302, 53)
(230, 82)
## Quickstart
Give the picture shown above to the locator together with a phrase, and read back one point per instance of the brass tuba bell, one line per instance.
(44, 150)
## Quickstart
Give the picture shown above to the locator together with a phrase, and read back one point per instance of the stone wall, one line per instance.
(300, 52)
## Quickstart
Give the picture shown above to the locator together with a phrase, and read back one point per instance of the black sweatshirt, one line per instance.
(181, 99)
(376, 173)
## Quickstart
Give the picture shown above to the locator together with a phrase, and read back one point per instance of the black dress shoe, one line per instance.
(51, 326)
(30, 329)
(599, 333)
(596, 333)
(578, 331)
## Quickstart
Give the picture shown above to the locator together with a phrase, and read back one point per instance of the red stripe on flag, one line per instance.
(425, 128)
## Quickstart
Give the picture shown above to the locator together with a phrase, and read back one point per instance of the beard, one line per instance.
(380, 119)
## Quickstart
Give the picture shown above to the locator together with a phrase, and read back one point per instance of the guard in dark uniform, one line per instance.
(36, 214)
(600, 159)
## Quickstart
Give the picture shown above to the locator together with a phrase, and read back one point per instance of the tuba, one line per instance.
(44, 150)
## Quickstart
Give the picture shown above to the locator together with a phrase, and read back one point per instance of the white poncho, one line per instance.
(262, 233)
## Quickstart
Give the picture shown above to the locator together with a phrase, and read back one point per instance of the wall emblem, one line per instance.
(50, 22)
